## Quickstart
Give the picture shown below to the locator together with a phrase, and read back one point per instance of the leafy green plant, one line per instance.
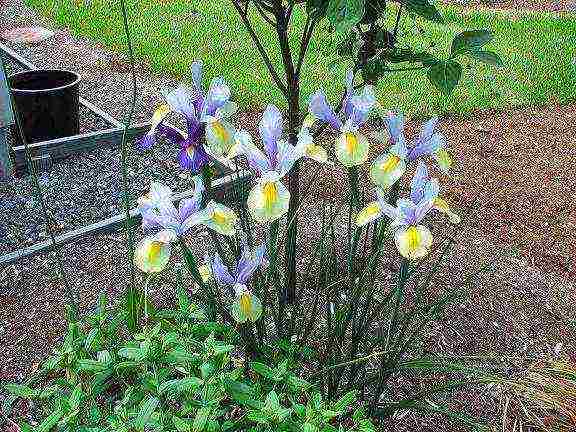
(177, 375)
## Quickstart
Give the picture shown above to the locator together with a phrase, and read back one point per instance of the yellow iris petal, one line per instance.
(220, 132)
(317, 153)
(386, 170)
(413, 242)
(222, 219)
(368, 214)
(351, 143)
(270, 194)
(247, 307)
(352, 149)
(246, 304)
(268, 201)
(219, 137)
(390, 163)
(444, 160)
(151, 255)
(161, 112)
(442, 206)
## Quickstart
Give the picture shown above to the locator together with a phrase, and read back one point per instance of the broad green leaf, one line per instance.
(470, 40)
(182, 425)
(92, 341)
(50, 421)
(258, 417)
(21, 391)
(239, 391)
(88, 365)
(272, 401)
(487, 57)
(345, 14)
(297, 383)
(445, 75)
(131, 353)
(264, 370)
(201, 419)
(309, 427)
(425, 9)
(180, 385)
(147, 408)
(345, 401)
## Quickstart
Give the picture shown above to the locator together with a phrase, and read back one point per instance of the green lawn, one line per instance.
(539, 50)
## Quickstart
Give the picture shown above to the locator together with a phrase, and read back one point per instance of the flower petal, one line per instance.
(386, 170)
(320, 109)
(219, 136)
(221, 219)
(196, 73)
(431, 146)
(268, 200)
(193, 157)
(419, 182)
(347, 105)
(270, 131)
(181, 101)
(218, 95)
(221, 272)
(395, 126)
(246, 307)
(243, 144)
(362, 105)
(368, 214)
(352, 148)
(443, 159)
(413, 242)
(442, 206)
(249, 262)
(152, 255)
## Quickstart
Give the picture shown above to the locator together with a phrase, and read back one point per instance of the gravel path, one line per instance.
(516, 162)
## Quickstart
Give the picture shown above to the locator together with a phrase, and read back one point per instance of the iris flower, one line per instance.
(388, 168)
(246, 307)
(351, 146)
(205, 121)
(412, 239)
(268, 200)
(159, 212)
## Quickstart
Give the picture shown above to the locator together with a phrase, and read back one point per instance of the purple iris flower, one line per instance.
(246, 307)
(207, 130)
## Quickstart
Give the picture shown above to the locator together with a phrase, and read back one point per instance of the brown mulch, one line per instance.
(534, 5)
(515, 170)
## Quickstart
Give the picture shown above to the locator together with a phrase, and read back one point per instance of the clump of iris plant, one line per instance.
(351, 147)
(269, 198)
(246, 307)
(206, 123)
(412, 239)
(389, 167)
(159, 213)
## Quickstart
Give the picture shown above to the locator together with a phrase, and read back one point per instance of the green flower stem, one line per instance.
(131, 291)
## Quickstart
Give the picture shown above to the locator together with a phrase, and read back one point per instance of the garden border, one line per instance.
(228, 175)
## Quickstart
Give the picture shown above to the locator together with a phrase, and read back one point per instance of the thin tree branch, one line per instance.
(263, 14)
(275, 77)
(397, 24)
(306, 37)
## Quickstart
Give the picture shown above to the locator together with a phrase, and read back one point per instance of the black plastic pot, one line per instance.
(48, 103)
